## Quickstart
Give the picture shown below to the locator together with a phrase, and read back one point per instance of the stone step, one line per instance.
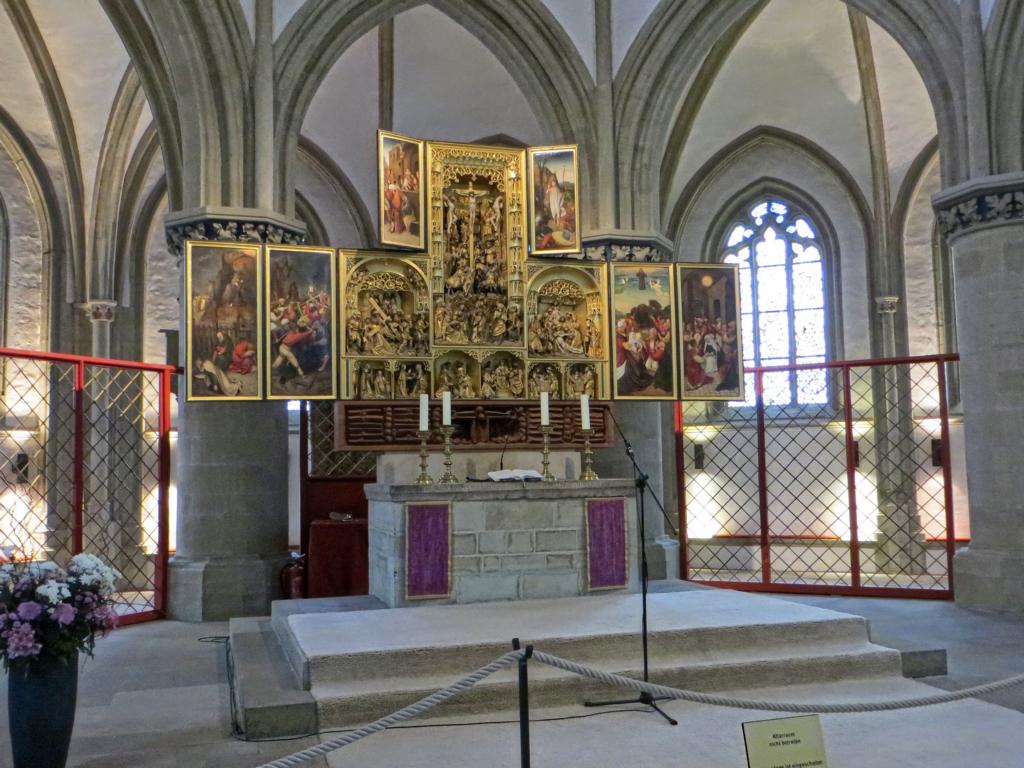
(344, 704)
(359, 666)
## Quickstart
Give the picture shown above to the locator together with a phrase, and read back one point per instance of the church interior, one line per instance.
(349, 348)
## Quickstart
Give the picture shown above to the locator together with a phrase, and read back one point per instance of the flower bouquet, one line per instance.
(48, 615)
(49, 611)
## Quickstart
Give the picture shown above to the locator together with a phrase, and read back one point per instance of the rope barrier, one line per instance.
(657, 691)
(665, 692)
(407, 713)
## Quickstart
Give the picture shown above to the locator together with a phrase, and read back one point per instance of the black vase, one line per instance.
(41, 710)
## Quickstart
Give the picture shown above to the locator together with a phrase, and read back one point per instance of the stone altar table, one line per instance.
(505, 541)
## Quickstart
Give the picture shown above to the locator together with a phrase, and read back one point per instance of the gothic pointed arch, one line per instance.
(655, 72)
(525, 37)
(109, 182)
(148, 60)
(1006, 82)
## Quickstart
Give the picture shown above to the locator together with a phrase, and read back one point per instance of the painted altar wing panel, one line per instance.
(223, 321)
(642, 309)
(301, 323)
(428, 535)
(710, 315)
(400, 190)
(554, 225)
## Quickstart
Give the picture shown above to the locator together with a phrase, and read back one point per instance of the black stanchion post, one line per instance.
(524, 703)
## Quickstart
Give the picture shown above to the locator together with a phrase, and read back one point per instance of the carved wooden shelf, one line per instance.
(388, 425)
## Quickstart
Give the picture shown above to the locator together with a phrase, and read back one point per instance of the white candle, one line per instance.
(424, 412)
(585, 411)
(446, 408)
(545, 414)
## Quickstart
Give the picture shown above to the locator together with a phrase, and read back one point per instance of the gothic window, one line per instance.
(782, 299)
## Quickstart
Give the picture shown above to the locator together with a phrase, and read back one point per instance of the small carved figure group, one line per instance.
(581, 380)
(381, 326)
(476, 319)
(455, 378)
(501, 380)
(558, 332)
(373, 382)
(412, 380)
(544, 378)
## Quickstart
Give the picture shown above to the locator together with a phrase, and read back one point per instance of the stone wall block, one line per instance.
(565, 540)
(520, 541)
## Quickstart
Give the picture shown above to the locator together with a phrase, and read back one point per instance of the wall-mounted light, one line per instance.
(698, 456)
(856, 454)
(20, 467)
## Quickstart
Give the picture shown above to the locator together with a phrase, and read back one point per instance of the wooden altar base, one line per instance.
(388, 425)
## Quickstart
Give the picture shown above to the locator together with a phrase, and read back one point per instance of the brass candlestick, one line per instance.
(588, 457)
(448, 477)
(545, 460)
(424, 478)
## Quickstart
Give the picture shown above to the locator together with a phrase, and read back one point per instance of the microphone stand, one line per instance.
(642, 488)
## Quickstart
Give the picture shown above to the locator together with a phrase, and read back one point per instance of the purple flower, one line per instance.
(21, 641)
(63, 614)
(29, 610)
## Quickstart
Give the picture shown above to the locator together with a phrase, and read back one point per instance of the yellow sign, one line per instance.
(786, 742)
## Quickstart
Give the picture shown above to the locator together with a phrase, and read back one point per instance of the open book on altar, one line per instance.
(514, 474)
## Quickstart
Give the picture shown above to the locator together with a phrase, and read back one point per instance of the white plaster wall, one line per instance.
(919, 273)
(25, 290)
(448, 85)
(907, 114)
(628, 16)
(789, 164)
(332, 209)
(163, 278)
(343, 117)
(577, 19)
(793, 68)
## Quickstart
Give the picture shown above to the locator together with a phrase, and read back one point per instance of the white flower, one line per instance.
(90, 571)
(54, 592)
(43, 569)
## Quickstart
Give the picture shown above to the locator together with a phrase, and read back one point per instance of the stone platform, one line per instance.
(355, 666)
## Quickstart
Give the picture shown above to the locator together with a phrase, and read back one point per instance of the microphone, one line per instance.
(501, 458)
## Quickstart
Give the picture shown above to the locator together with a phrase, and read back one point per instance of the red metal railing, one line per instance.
(850, 491)
(85, 446)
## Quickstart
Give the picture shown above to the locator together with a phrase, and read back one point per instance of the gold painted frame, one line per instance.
(348, 260)
(253, 251)
(538, 270)
(451, 551)
(329, 253)
(536, 205)
(625, 540)
(619, 276)
(417, 242)
(505, 168)
(685, 273)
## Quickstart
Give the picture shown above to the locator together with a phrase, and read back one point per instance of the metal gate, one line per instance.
(85, 457)
(849, 491)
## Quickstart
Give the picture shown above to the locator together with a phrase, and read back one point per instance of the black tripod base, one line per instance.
(644, 698)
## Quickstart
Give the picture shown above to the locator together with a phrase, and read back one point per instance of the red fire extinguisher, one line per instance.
(293, 576)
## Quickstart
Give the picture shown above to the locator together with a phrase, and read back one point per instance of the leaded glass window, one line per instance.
(782, 299)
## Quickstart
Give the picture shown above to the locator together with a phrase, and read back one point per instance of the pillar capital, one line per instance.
(98, 310)
(981, 203)
(887, 305)
(235, 225)
(626, 245)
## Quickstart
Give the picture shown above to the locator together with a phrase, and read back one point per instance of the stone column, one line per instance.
(232, 475)
(899, 537)
(263, 103)
(983, 221)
